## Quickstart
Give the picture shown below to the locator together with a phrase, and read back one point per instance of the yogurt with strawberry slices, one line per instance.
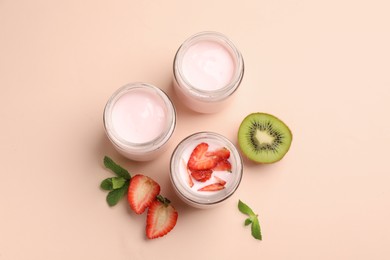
(222, 182)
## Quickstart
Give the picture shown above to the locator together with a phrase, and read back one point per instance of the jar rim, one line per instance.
(209, 95)
(152, 144)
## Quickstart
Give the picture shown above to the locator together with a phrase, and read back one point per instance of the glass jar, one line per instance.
(139, 120)
(207, 71)
(192, 191)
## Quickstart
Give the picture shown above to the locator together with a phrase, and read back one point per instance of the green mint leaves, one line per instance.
(117, 169)
(251, 220)
(113, 183)
(117, 186)
(114, 196)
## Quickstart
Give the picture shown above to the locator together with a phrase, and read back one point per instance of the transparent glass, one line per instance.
(140, 151)
(179, 175)
(200, 99)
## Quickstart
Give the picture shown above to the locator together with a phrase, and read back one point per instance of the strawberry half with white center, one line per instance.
(199, 161)
(142, 192)
(161, 219)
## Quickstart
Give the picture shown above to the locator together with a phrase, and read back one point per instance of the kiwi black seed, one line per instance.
(264, 138)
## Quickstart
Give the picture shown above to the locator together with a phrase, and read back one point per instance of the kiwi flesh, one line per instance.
(264, 138)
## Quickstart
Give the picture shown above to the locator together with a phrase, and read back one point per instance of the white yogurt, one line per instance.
(180, 176)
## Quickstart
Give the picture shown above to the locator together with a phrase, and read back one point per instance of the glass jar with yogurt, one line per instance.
(220, 184)
(139, 120)
(207, 70)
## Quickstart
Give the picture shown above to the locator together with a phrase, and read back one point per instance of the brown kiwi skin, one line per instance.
(263, 163)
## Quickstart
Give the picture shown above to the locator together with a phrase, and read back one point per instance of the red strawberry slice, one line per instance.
(223, 165)
(212, 187)
(190, 182)
(201, 176)
(199, 161)
(142, 192)
(161, 219)
(221, 153)
(220, 181)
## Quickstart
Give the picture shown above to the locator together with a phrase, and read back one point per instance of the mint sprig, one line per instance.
(251, 220)
(113, 183)
(114, 196)
(117, 186)
(117, 169)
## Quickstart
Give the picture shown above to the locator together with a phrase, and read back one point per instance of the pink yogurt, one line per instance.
(139, 116)
(208, 69)
(139, 120)
(208, 65)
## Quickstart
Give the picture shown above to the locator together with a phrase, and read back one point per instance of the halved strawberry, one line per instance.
(223, 165)
(161, 218)
(199, 161)
(212, 187)
(201, 176)
(221, 153)
(142, 192)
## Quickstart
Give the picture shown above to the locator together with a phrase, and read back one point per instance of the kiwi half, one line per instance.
(264, 138)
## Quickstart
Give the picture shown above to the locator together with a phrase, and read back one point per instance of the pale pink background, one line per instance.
(321, 66)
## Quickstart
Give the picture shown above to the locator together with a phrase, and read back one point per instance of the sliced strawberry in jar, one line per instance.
(223, 165)
(189, 179)
(199, 161)
(202, 176)
(221, 153)
(220, 180)
(212, 187)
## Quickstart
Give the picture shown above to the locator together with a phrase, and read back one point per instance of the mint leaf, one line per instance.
(248, 221)
(117, 169)
(255, 229)
(106, 184)
(252, 220)
(113, 183)
(117, 182)
(245, 208)
(114, 196)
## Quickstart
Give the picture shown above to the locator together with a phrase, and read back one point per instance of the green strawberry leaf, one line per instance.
(245, 208)
(163, 200)
(114, 196)
(255, 229)
(117, 169)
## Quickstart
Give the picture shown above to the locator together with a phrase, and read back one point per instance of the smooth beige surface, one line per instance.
(321, 66)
